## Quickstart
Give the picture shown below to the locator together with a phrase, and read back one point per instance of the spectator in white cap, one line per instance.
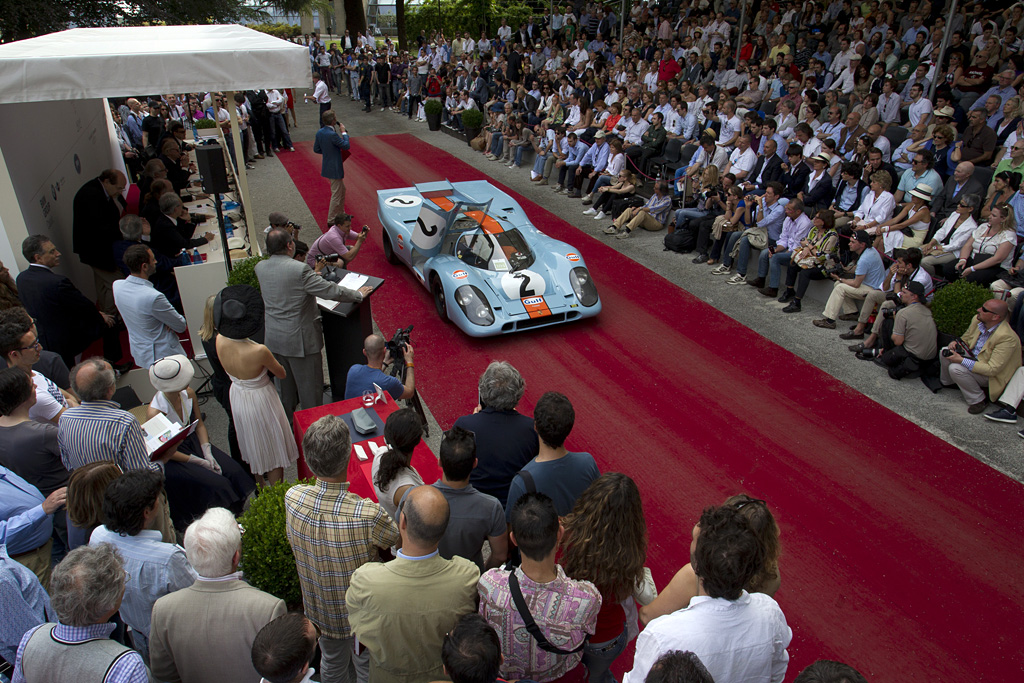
(915, 216)
(198, 475)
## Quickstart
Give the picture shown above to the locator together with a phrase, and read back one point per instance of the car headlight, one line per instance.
(583, 286)
(474, 305)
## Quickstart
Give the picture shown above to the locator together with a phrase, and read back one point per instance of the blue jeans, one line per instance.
(730, 242)
(771, 265)
(688, 214)
(519, 155)
(599, 657)
(496, 144)
(278, 128)
(601, 181)
(743, 257)
(538, 164)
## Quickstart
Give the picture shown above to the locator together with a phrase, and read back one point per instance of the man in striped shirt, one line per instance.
(332, 533)
(98, 429)
(650, 216)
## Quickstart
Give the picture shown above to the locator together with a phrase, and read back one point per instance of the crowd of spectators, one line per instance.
(825, 141)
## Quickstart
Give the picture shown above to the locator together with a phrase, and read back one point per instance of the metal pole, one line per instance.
(622, 22)
(739, 29)
(946, 32)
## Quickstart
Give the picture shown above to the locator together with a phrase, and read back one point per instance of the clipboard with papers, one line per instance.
(163, 436)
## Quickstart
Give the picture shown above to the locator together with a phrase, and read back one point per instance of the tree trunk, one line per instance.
(355, 18)
(400, 23)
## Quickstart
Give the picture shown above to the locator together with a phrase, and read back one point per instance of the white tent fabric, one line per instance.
(114, 62)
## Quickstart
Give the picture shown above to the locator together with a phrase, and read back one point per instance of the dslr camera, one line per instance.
(330, 258)
(396, 346)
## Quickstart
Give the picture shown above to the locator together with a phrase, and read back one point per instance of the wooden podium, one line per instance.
(345, 326)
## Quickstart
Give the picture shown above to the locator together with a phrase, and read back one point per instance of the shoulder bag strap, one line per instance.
(531, 625)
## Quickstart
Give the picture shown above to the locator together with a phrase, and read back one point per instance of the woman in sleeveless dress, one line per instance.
(198, 476)
(264, 435)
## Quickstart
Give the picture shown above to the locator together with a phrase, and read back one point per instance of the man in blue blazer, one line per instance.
(329, 143)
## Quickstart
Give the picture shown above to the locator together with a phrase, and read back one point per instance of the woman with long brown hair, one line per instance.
(683, 586)
(605, 542)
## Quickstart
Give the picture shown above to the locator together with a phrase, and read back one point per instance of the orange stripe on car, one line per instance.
(535, 306)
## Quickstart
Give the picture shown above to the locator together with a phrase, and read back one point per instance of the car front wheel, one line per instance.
(389, 251)
(437, 289)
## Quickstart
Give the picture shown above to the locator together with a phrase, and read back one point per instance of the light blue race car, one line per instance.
(488, 268)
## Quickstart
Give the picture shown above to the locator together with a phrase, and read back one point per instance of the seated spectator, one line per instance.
(332, 532)
(959, 184)
(867, 277)
(401, 610)
(50, 364)
(978, 143)
(824, 248)
(86, 591)
(828, 671)
(1005, 185)
(26, 604)
(987, 359)
(20, 348)
(612, 561)
(767, 213)
(26, 523)
(504, 437)
(767, 168)
(677, 666)
(206, 631)
(86, 489)
(131, 506)
(920, 168)
(877, 206)
(564, 610)
(773, 259)
(27, 447)
(622, 188)
(475, 517)
(909, 226)
(912, 342)
(737, 635)
(198, 476)
(726, 229)
(284, 648)
(651, 216)
(393, 473)
(988, 252)
(333, 241)
(361, 378)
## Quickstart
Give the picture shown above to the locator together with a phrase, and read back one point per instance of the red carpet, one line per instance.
(901, 553)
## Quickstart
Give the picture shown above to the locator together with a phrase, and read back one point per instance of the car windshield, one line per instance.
(503, 251)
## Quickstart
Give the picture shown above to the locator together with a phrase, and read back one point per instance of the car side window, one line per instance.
(475, 250)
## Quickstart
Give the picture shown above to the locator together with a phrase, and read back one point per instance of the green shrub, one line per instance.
(244, 272)
(267, 558)
(433, 107)
(206, 123)
(472, 118)
(954, 305)
(278, 30)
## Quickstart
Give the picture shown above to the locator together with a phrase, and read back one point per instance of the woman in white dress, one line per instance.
(915, 216)
(393, 473)
(264, 435)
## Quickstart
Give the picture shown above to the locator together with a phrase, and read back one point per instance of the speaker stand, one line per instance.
(223, 233)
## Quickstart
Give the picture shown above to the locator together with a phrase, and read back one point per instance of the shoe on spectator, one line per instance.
(847, 317)
(559, 189)
(589, 212)
(825, 323)
(793, 307)
(490, 156)
(758, 282)
(866, 354)
(1002, 415)
(787, 296)
(574, 194)
(589, 199)
(601, 215)
(622, 234)
(978, 407)
(720, 269)
(611, 230)
(851, 335)
(858, 347)
(699, 258)
(736, 279)
(1021, 433)
(291, 149)
(769, 291)
(259, 156)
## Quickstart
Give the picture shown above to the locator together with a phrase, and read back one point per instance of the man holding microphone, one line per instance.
(331, 139)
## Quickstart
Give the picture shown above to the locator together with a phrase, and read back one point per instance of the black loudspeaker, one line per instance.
(210, 160)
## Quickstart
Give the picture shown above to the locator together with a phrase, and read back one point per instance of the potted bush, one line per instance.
(956, 304)
(472, 121)
(244, 272)
(267, 559)
(433, 109)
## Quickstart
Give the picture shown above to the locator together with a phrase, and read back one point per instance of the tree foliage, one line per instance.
(458, 16)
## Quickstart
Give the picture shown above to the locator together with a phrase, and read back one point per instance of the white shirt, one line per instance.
(919, 109)
(276, 102)
(635, 130)
(320, 93)
(812, 148)
(742, 161)
(876, 208)
(730, 129)
(49, 400)
(743, 641)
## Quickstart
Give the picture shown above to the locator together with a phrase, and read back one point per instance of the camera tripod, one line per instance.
(397, 370)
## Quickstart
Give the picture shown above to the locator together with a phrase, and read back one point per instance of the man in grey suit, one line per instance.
(205, 632)
(293, 331)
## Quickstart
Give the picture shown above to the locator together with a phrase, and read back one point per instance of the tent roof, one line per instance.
(121, 61)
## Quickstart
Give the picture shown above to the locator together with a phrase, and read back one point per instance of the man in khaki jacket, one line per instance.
(996, 350)
(204, 633)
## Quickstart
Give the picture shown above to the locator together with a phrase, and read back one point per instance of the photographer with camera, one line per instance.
(904, 270)
(330, 247)
(362, 377)
(911, 342)
(279, 220)
(986, 358)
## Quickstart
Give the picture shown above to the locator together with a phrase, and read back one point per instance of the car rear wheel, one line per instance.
(437, 289)
(389, 251)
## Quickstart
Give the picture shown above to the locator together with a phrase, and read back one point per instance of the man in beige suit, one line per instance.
(204, 633)
(996, 350)
(400, 610)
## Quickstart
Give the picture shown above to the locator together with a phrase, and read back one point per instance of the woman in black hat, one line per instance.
(264, 435)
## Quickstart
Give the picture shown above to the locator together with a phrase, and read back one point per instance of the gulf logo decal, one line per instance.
(533, 301)
(460, 275)
(401, 242)
(573, 257)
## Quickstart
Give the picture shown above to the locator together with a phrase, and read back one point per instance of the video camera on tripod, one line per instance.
(396, 347)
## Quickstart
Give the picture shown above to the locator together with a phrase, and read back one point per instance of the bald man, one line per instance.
(97, 210)
(960, 184)
(362, 377)
(401, 610)
(991, 356)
